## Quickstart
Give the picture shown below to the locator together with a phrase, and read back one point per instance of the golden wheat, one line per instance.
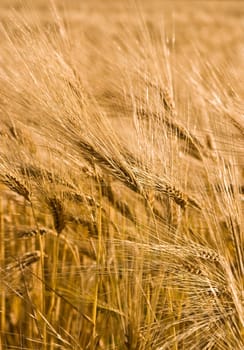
(128, 229)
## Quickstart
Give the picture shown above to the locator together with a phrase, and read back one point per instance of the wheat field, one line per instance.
(121, 175)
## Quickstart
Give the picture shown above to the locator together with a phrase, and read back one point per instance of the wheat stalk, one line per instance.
(16, 185)
(58, 213)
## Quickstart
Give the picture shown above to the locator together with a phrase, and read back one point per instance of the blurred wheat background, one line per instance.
(121, 175)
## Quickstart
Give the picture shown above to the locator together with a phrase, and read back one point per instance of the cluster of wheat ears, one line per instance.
(121, 182)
